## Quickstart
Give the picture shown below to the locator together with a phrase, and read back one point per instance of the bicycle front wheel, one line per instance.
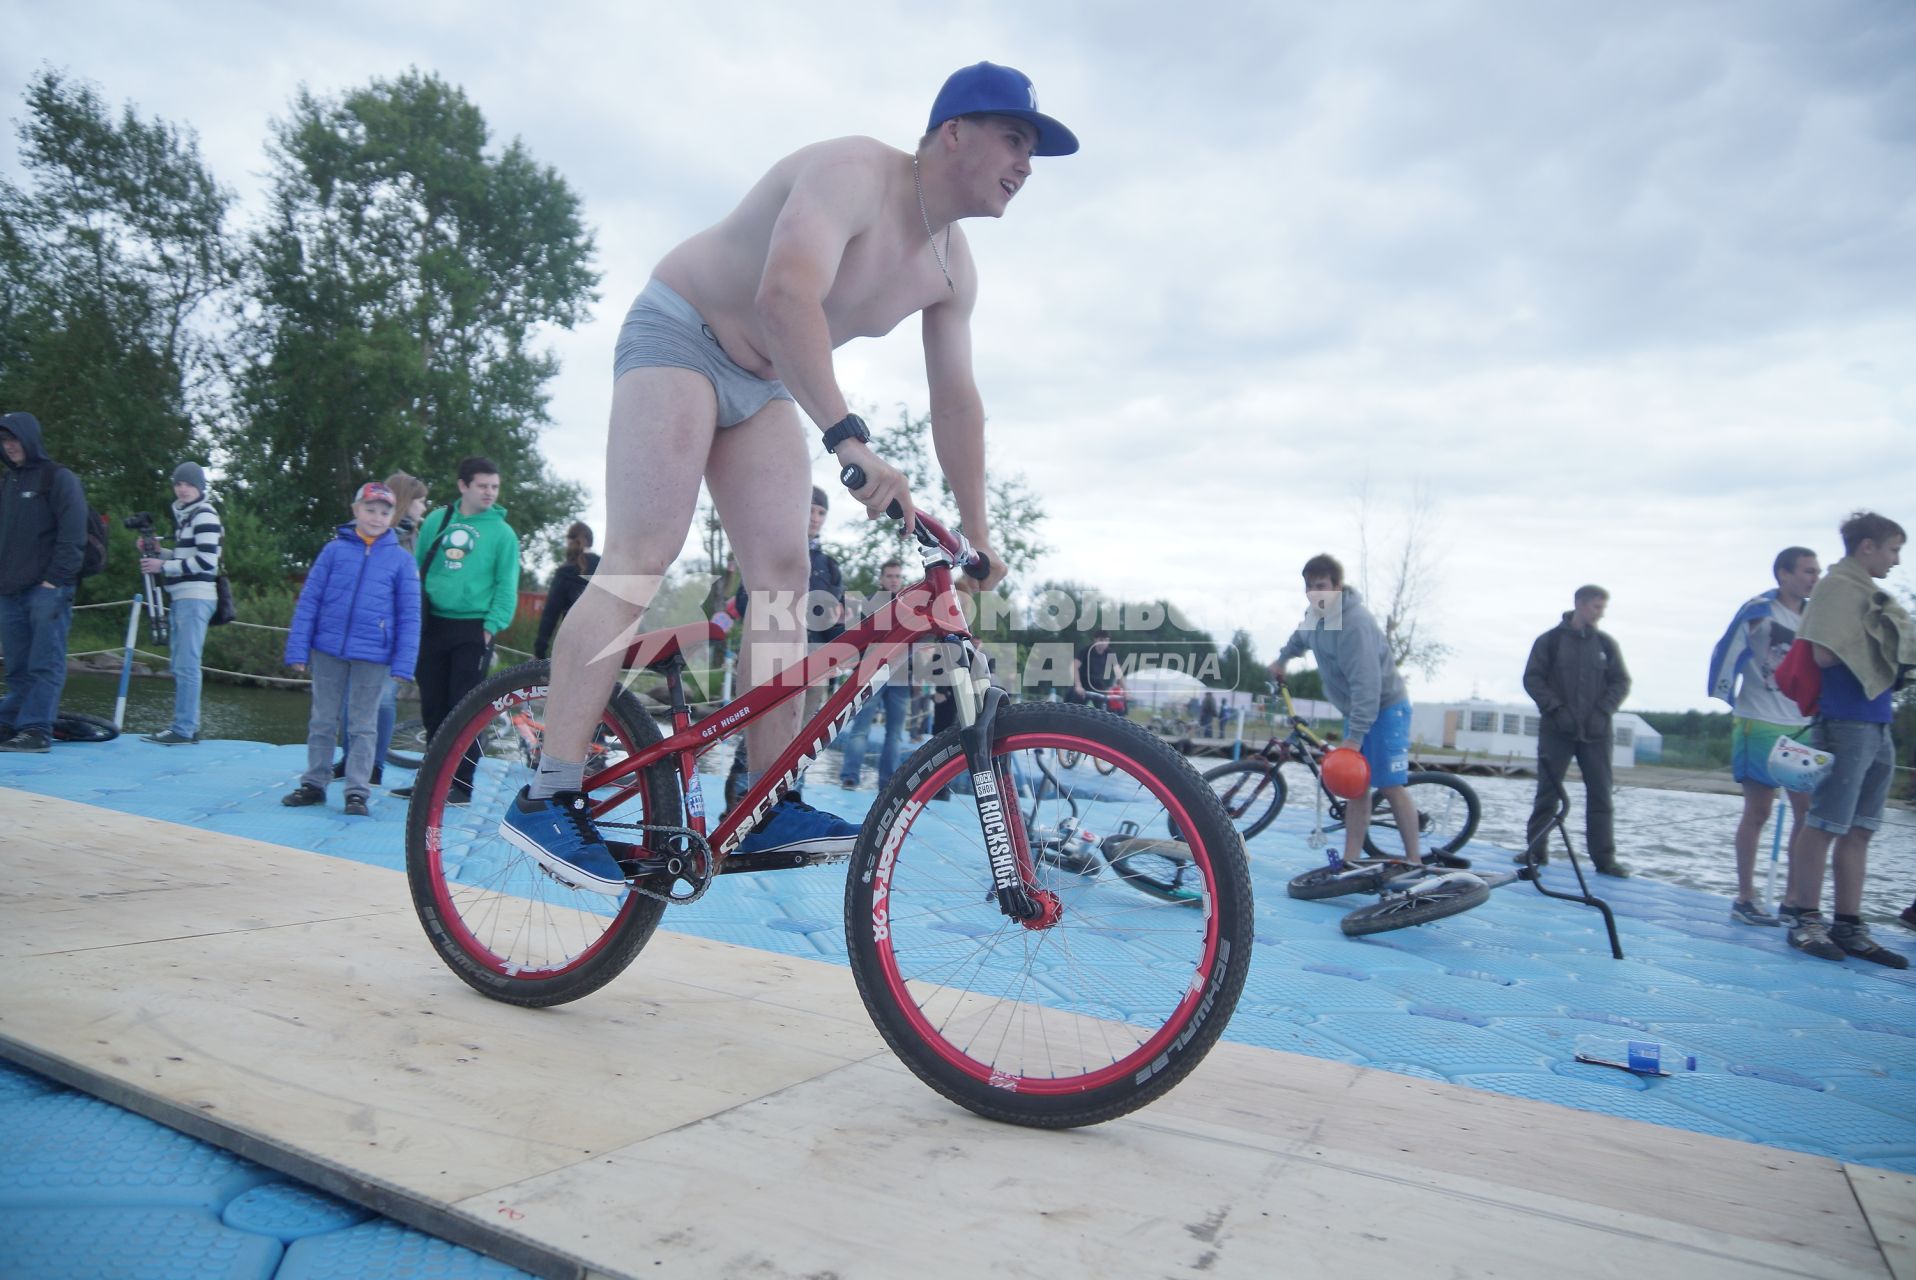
(1447, 815)
(1115, 994)
(1251, 790)
(496, 917)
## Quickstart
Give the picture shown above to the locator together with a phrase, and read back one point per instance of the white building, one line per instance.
(1508, 730)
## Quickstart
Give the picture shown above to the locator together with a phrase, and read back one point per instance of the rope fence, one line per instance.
(284, 682)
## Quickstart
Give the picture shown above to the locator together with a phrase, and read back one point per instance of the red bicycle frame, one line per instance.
(925, 610)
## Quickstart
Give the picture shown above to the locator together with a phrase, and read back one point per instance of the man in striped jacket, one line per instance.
(191, 573)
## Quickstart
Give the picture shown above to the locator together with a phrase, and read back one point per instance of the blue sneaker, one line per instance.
(794, 826)
(557, 833)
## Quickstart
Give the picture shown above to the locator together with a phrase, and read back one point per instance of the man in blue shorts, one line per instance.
(1865, 646)
(1362, 681)
(730, 338)
(1743, 674)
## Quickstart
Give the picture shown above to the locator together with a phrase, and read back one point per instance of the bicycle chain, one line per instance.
(701, 848)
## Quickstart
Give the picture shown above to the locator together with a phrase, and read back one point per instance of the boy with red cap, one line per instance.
(356, 626)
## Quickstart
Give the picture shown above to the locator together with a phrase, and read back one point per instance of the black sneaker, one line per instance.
(404, 793)
(1908, 918)
(1524, 859)
(1614, 869)
(167, 738)
(1855, 940)
(1449, 861)
(306, 793)
(27, 740)
(356, 807)
(457, 796)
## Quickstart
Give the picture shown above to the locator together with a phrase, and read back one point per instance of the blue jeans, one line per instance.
(189, 620)
(356, 685)
(33, 627)
(896, 700)
(383, 731)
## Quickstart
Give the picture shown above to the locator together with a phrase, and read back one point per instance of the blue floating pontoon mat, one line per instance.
(1791, 1051)
(89, 1189)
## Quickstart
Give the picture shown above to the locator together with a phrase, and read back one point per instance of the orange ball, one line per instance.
(1346, 773)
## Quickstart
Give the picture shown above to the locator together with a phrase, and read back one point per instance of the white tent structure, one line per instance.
(1160, 686)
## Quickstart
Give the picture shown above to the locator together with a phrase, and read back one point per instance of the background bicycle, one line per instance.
(1254, 790)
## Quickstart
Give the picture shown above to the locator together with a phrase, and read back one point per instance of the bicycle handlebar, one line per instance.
(929, 531)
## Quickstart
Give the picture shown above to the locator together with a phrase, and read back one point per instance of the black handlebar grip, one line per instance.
(853, 478)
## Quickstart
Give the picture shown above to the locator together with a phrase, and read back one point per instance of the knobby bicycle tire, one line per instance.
(500, 922)
(1447, 807)
(1090, 1017)
(1445, 895)
(1252, 792)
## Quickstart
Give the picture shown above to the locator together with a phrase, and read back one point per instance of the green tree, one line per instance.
(110, 256)
(1239, 666)
(395, 294)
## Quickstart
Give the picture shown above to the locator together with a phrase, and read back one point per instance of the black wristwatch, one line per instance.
(849, 427)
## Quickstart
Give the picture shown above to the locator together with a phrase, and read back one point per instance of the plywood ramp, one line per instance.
(721, 1111)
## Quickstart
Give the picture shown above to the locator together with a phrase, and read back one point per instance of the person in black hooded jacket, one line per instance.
(568, 584)
(42, 539)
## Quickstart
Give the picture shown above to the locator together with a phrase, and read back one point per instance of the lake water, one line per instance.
(1680, 836)
(226, 710)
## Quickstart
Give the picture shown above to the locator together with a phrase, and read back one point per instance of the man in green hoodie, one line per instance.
(469, 566)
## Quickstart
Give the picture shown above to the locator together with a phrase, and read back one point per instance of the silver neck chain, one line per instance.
(941, 257)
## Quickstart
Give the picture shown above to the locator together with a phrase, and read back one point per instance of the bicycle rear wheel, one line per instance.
(1433, 899)
(498, 919)
(1110, 1001)
(1447, 815)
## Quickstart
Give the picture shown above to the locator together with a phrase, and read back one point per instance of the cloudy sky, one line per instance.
(1628, 290)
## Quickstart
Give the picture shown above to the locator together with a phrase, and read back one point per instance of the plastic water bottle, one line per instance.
(1643, 1057)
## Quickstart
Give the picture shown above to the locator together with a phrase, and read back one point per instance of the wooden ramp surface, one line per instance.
(720, 1111)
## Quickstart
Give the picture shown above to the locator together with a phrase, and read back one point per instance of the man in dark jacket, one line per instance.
(1577, 679)
(42, 538)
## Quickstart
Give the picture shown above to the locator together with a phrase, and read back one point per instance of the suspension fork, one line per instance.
(995, 790)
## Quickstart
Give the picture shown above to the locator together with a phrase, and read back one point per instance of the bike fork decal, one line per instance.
(991, 812)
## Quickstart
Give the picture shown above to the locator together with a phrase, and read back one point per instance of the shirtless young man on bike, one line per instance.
(733, 336)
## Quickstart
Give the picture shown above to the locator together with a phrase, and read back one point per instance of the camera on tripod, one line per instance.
(141, 523)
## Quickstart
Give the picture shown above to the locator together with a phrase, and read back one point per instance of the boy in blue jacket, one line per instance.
(356, 626)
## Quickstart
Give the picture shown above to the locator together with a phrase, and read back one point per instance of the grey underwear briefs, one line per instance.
(663, 330)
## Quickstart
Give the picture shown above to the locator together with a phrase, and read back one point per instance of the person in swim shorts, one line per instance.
(729, 340)
(1743, 674)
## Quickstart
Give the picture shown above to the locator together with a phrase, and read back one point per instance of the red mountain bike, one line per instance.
(1015, 986)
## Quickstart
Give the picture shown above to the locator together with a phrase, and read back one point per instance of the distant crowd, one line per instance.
(1809, 667)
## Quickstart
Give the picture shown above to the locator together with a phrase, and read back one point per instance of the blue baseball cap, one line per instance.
(1000, 91)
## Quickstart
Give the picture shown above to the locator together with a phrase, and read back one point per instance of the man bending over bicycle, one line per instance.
(1361, 681)
(734, 334)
